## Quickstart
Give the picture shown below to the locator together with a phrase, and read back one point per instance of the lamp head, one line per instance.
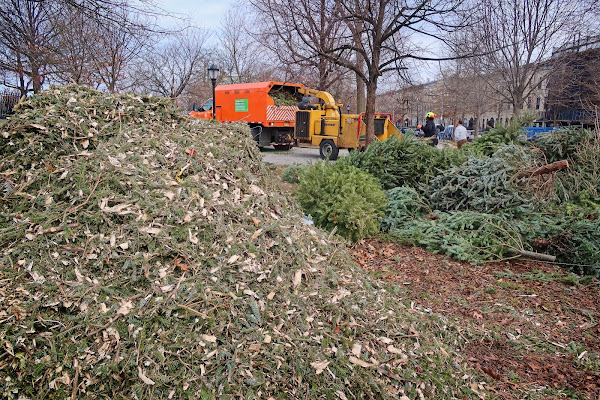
(213, 72)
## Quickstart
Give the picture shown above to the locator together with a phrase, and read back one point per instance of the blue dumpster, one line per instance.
(534, 130)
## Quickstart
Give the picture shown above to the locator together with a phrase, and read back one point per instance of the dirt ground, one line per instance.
(538, 325)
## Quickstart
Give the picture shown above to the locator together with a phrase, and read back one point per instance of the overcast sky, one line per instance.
(203, 13)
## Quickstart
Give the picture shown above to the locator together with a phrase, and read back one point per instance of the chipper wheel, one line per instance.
(328, 149)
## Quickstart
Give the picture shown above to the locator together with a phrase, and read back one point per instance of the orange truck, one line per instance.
(269, 108)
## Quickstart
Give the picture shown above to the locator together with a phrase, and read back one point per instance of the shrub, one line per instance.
(484, 185)
(404, 205)
(495, 138)
(581, 181)
(387, 160)
(342, 197)
(464, 235)
(404, 162)
(291, 173)
(570, 232)
(561, 144)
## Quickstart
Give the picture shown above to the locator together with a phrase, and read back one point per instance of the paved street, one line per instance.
(296, 155)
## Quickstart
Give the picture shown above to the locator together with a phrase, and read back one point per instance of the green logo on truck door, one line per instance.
(241, 105)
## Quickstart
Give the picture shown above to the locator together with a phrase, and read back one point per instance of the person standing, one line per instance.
(429, 129)
(460, 134)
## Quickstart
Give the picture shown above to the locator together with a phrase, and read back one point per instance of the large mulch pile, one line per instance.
(145, 255)
(537, 325)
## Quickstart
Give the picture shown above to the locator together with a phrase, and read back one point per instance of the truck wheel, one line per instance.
(282, 147)
(328, 149)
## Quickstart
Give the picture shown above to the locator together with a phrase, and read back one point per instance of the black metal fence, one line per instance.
(8, 100)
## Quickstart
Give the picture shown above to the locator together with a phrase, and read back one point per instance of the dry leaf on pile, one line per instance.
(297, 278)
(125, 307)
(358, 361)
(144, 378)
(356, 349)
(319, 366)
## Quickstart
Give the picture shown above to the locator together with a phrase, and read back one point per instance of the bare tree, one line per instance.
(116, 48)
(238, 52)
(467, 80)
(74, 45)
(168, 68)
(518, 37)
(381, 38)
(26, 41)
(286, 27)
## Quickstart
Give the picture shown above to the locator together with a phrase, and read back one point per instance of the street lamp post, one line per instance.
(213, 74)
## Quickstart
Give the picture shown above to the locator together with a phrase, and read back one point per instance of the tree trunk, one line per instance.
(370, 112)
(534, 255)
(546, 169)
(323, 73)
(360, 94)
(477, 115)
(36, 79)
(517, 106)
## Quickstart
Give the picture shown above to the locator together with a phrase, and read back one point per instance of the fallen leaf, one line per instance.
(79, 275)
(38, 127)
(193, 238)
(256, 190)
(150, 230)
(119, 209)
(319, 366)
(114, 162)
(317, 259)
(385, 340)
(256, 221)
(256, 234)
(297, 278)
(209, 338)
(340, 295)
(341, 395)
(179, 263)
(125, 306)
(144, 378)
(167, 288)
(358, 361)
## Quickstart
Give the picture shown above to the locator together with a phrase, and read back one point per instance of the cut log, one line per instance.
(534, 255)
(546, 169)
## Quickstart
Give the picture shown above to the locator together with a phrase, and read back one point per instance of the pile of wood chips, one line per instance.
(148, 255)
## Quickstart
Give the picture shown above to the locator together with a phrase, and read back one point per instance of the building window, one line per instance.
(537, 103)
